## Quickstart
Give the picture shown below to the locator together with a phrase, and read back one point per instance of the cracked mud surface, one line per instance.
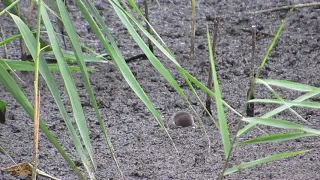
(143, 149)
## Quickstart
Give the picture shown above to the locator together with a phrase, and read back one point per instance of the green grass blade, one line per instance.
(16, 92)
(274, 138)
(202, 105)
(72, 92)
(224, 132)
(71, 57)
(278, 123)
(74, 98)
(249, 126)
(274, 40)
(288, 84)
(11, 64)
(132, 3)
(153, 59)
(112, 53)
(280, 109)
(207, 90)
(10, 7)
(9, 39)
(135, 7)
(5, 152)
(283, 101)
(263, 160)
(169, 55)
(30, 42)
(123, 67)
(3, 110)
(306, 104)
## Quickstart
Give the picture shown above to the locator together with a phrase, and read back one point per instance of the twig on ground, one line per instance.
(146, 14)
(288, 7)
(250, 93)
(259, 33)
(193, 27)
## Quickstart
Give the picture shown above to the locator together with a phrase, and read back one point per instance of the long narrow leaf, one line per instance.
(281, 124)
(224, 132)
(288, 84)
(290, 103)
(10, 7)
(125, 70)
(16, 92)
(280, 109)
(265, 58)
(274, 40)
(169, 55)
(11, 64)
(203, 106)
(109, 48)
(263, 160)
(68, 81)
(9, 39)
(274, 138)
(30, 43)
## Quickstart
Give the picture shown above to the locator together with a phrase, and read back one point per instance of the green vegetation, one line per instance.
(82, 141)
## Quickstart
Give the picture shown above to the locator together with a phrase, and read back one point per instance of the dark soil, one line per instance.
(143, 149)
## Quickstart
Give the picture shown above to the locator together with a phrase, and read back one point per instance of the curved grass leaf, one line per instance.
(121, 64)
(203, 106)
(278, 123)
(10, 7)
(287, 84)
(5, 152)
(282, 100)
(263, 160)
(165, 50)
(30, 42)
(75, 100)
(274, 40)
(71, 57)
(280, 109)
(9, 39)
(3, 110)
(224, 132)
(11, 64)
(274, 138)
(72, 92)
(265, 58)
(306, 104)
(16, 92)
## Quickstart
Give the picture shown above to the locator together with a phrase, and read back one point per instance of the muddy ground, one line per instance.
(143, 149)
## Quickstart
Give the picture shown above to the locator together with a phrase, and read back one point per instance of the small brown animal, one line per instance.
(183, 119)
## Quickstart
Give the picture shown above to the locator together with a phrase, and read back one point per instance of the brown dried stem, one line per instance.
(288, 7)
(209, 84)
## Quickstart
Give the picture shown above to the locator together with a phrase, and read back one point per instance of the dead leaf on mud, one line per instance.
(24, 168)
